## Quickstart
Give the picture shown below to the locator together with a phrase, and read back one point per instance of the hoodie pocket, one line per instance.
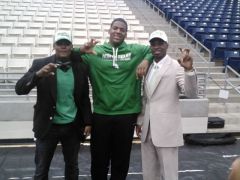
(117, 97)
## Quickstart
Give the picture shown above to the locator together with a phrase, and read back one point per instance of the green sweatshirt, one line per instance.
(115, 88)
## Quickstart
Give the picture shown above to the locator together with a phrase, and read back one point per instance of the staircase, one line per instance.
(228, 109)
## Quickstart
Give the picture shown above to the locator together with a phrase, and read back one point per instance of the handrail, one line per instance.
(227, 79)
(155, 7)
(227, 67)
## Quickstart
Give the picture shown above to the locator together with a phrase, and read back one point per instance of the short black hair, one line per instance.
(121, 20)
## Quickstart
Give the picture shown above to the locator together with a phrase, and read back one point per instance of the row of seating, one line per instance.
(44, 38)
(9, 15)
(23, 52)
(97, 25)
(46, 2)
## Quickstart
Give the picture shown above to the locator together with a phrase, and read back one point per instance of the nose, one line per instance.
(118, 30)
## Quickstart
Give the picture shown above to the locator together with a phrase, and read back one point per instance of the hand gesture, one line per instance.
(185, 60)
(47, 70)
(88, 47)
(139, 131)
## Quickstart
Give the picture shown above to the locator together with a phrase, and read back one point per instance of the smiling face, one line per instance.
(117, 32)
(158, 48)
(63, 49)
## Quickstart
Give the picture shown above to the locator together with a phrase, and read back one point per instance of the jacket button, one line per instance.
(51, 118)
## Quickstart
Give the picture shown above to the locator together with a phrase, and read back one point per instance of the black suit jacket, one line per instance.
(45, 106)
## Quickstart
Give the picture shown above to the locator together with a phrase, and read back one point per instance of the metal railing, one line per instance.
(199, 45)
(228, 79)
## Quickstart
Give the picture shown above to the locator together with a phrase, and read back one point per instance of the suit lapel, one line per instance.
(53, 81)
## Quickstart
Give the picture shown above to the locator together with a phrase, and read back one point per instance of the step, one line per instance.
(16, 129)
(12, 92)
(221, 82)
(7, 85)
(217, 75)
(212, 69)
(200, 63)
(13, 98)
(220, 107)
(214, 98)
(228, 128)
(230, 118)
(214, 89)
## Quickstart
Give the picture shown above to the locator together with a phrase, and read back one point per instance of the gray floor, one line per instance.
(196, 162)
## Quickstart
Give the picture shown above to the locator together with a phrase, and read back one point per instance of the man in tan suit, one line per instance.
(159, 124)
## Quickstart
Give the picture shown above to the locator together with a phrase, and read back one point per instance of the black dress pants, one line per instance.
(45, 149)
(111, 143)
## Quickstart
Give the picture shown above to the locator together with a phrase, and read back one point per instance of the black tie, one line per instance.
(64, 66)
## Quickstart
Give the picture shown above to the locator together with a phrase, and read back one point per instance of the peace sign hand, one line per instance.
(185, 59)
(88, 47)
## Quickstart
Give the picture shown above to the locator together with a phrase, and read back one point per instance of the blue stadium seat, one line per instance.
(189, 26)
(234, 25)
(205, 39)
(214, 25)
(233, 46)
(210, 30)
(223, 31)
(234, 38)
(232, 58)
(197, 31)
(170, 12)
(202, 24)
(176, 15)
(234, 31)
(217, 49)
(221, 37)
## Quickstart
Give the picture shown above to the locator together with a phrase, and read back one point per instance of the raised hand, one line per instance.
(185, 60)
(88, 47)
(47, 70)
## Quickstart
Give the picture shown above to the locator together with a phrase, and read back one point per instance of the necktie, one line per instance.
(152, 79)
(64, 66)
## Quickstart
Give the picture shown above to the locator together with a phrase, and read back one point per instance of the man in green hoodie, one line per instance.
(116, 100)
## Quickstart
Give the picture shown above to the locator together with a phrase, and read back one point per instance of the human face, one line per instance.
(63, 48)
(158, 48)
(117, 32)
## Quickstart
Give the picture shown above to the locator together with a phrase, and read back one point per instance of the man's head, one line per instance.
(117, 31)
(62, 44)
(159, 44)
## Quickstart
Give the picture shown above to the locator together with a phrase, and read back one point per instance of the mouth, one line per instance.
(157, 52)
(117, 37)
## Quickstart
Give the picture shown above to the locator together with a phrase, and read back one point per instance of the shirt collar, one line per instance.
(160, 63)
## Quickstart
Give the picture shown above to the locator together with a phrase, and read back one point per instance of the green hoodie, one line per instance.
(115, 88)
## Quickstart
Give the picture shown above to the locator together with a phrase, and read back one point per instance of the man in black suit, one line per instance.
(62, 112)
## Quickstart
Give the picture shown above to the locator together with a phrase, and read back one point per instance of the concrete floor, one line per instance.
(195, 162)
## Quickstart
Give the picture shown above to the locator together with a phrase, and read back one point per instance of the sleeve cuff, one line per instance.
(191, 72)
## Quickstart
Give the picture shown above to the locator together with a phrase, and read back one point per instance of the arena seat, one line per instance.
(232, 58)
(217, 49)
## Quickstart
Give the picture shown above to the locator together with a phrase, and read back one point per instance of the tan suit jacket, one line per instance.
(161, 108)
